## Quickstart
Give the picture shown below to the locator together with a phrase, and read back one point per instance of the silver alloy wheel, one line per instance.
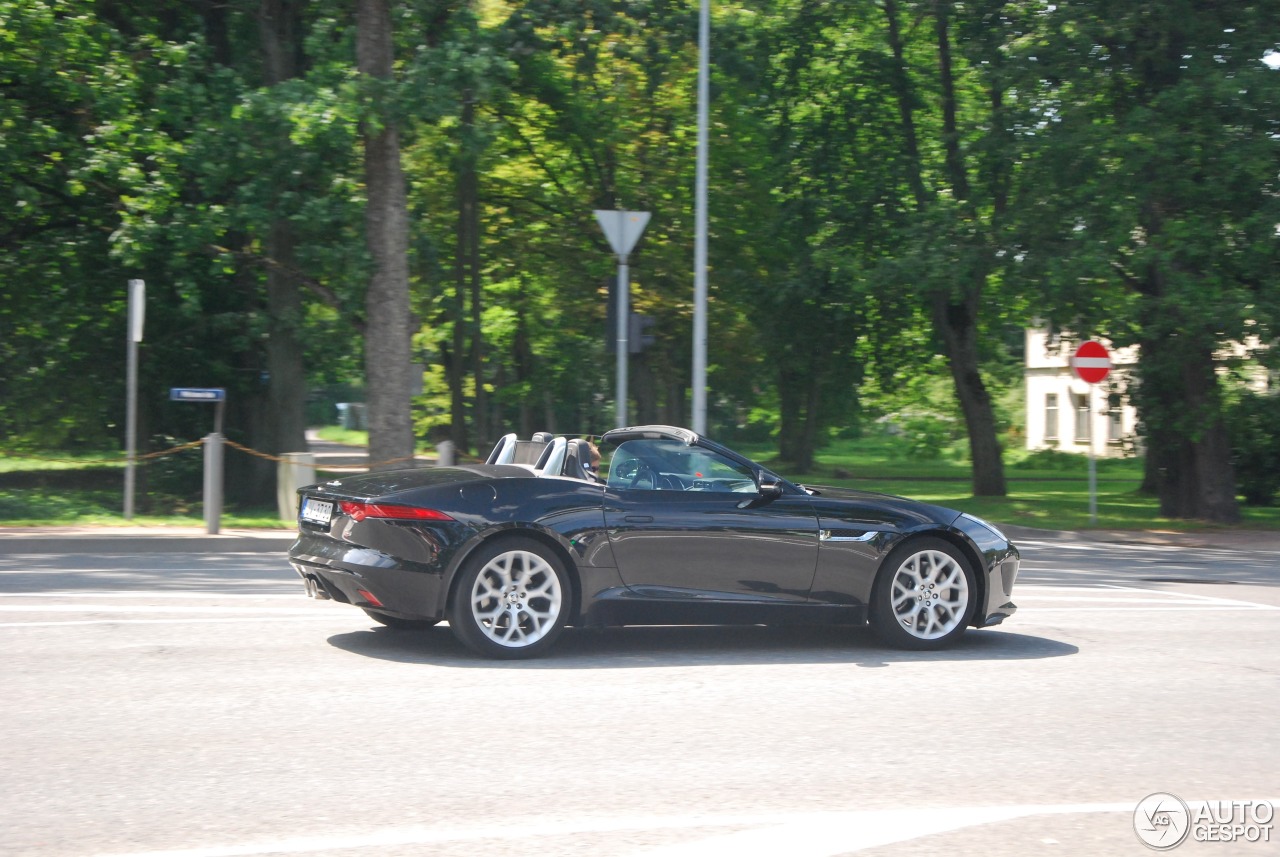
(930, 594)
(516, 598)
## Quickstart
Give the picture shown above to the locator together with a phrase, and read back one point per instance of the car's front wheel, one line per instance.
(512, 599)
(926, 596)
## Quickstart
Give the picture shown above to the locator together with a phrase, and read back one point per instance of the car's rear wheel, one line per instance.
(511, 600)
(399, 622)
(926, 595)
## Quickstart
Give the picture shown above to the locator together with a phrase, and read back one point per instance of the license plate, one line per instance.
(316, 511)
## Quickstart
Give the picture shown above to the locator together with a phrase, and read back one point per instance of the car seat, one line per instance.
(576, 456)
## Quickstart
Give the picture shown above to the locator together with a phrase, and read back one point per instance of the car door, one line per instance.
(684, 522)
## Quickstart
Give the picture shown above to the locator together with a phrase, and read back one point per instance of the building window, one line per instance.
(1115, 425)
(1051, 416)
(1082, 418)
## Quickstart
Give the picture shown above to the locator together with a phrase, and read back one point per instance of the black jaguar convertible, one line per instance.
(669, 528)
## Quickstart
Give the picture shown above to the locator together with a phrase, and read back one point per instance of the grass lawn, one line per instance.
(87, 489)
(1047, 491)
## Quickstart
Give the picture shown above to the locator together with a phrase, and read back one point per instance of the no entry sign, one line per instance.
(1092, 362)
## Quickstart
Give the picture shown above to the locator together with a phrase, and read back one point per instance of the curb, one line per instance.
(1252, 540)
(106, 540)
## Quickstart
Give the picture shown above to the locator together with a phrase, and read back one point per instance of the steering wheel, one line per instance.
(644, 473)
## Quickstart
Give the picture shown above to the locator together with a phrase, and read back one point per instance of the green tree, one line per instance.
(387, 341)
(1155, 200)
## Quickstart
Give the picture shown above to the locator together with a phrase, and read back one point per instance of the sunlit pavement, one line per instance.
(195, 703)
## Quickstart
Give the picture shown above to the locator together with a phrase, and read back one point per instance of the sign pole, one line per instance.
(1091, 364)
(213, 450)
(622, 229)
(624, 323)
(1093, 464)
(137, 308)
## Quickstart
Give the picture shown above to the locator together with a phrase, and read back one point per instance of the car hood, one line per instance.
(831, 500)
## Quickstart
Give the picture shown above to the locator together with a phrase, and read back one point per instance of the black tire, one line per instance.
(511, 600)
(924, 596)
(398, 622)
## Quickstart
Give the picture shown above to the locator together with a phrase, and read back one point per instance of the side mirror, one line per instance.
(768, 490)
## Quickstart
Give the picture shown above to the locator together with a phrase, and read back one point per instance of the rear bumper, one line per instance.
(366, 578)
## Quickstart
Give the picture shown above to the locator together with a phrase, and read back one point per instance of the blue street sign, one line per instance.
(197, 394)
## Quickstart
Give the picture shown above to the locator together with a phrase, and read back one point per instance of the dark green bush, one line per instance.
(1254, 424)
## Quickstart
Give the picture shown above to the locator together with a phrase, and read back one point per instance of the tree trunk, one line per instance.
(956, 319)
(387, 345)
(280, 30)
(956, 324)
(455, 372)
(644, 390)
(1189, 449)
(469, 265)
(906, 113)
(525, 364)
(798, 394)
(286, 375)
(789, 419)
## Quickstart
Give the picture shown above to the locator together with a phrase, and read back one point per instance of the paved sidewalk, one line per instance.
(1225, 539)
(117, 540)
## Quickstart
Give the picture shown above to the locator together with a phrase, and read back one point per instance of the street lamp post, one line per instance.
(700, 227)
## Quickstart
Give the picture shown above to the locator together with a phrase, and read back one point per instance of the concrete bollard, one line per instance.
(444, 454)
(213, 483)
(294, 470)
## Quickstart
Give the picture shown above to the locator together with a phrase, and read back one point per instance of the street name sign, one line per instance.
(197, 394)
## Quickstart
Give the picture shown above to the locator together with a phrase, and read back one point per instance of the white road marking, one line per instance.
(154, 593)
(1192, 596)
(208, 621)
(809, 834)
(1260, 608)
(144, 608)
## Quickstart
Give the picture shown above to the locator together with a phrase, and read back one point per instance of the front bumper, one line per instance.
(1001, 575)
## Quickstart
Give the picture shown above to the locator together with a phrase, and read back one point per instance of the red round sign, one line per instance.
(1092, 362)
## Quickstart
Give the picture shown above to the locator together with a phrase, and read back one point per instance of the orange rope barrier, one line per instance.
(231, 443)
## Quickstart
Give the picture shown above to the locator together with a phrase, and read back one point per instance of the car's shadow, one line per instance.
(588, 648)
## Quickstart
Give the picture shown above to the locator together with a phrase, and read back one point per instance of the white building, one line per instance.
(1064, 412)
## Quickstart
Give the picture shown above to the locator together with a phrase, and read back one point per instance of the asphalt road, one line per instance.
(195, 704)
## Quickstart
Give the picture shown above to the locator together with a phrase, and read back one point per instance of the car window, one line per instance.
(670, 465)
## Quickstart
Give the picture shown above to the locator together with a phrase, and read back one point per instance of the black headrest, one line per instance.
(542, 437)
(577, 456)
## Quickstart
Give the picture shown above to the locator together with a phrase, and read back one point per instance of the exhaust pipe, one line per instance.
(315, 590)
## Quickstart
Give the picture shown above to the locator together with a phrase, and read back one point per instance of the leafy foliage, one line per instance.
(896, 189)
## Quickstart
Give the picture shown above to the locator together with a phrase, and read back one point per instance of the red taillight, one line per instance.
(359, 511)
(369, 596)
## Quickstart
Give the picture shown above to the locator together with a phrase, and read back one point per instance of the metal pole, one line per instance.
(1093, 466)
(623, 326)
(131, 428)
(213, 483)
(137, 296)
(700, 227)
